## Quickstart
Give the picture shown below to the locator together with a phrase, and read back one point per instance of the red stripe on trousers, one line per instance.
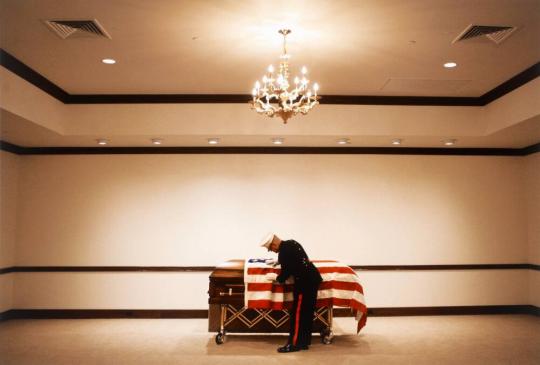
(296, 325)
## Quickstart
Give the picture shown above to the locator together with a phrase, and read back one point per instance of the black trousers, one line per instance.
(302, 314)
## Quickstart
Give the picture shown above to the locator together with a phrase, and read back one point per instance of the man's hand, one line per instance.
(272, 262)
(271, 276)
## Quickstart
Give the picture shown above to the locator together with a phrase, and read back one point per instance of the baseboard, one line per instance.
(203, 313)
(102, 313)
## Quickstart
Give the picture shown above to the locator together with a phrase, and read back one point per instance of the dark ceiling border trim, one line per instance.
(19, 68)
(520, 79)
(32, 76)
(203, 313)
(9, 147)
(33, 269)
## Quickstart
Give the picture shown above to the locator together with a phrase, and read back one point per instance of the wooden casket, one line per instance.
(228, 314)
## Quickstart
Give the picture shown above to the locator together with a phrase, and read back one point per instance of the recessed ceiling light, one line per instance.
(108, 61)
(343, 141)
(157, 140)
(278, 140)
(450, 142)
(396, 141)
(450, 64)
(213, 140)
(102, 141)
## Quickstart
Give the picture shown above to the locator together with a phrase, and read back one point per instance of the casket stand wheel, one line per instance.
(327, 336)
(220, 338)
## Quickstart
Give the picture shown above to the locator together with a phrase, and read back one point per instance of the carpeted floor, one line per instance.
(485, 339)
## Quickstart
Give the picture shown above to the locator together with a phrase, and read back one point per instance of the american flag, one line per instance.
(340, 287)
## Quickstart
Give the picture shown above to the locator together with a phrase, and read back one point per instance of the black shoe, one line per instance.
(304, 347)
(288, 348)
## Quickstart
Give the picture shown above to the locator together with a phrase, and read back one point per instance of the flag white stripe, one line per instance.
(321, 294)
(331, 276)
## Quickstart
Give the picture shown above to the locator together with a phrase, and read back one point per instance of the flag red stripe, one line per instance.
(276, 288)
(341, 285)
(326, 302)
(261, 270)
(268, 304)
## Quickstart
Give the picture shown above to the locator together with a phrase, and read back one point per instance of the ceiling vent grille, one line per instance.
(77, 28)
(494, 33)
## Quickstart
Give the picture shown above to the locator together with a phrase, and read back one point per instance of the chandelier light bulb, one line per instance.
(277, 97)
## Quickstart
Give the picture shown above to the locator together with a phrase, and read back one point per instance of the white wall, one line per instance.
(9, 170)
(189, 210)
(533, 215)
(188, 290)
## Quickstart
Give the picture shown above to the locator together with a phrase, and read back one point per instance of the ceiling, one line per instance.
(351, 47)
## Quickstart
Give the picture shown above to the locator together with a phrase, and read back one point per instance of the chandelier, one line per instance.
(273, 98)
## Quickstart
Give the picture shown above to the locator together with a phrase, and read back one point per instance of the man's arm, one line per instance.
(285, 260)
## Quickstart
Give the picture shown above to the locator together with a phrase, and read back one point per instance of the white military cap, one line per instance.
(267, 240)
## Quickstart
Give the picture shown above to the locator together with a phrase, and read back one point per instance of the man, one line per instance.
(295, 262)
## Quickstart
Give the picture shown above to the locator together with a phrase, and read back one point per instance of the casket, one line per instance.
(228, 314)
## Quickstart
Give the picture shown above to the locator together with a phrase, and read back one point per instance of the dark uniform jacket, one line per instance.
(295, 262)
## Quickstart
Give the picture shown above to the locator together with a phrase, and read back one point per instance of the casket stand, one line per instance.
(227, 312)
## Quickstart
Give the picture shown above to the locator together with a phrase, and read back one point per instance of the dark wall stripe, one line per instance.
(531, 149)
(15, 269)
(6, 146)
(203, 313)
(447, 267)
(270, 150)
(107, 269)
(30, 75)
(33, 77)
(245, 98)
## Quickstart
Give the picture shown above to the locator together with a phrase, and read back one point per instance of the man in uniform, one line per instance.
(295, 262)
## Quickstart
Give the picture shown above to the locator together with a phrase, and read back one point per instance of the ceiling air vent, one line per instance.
(77, 28)
(495, 33)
